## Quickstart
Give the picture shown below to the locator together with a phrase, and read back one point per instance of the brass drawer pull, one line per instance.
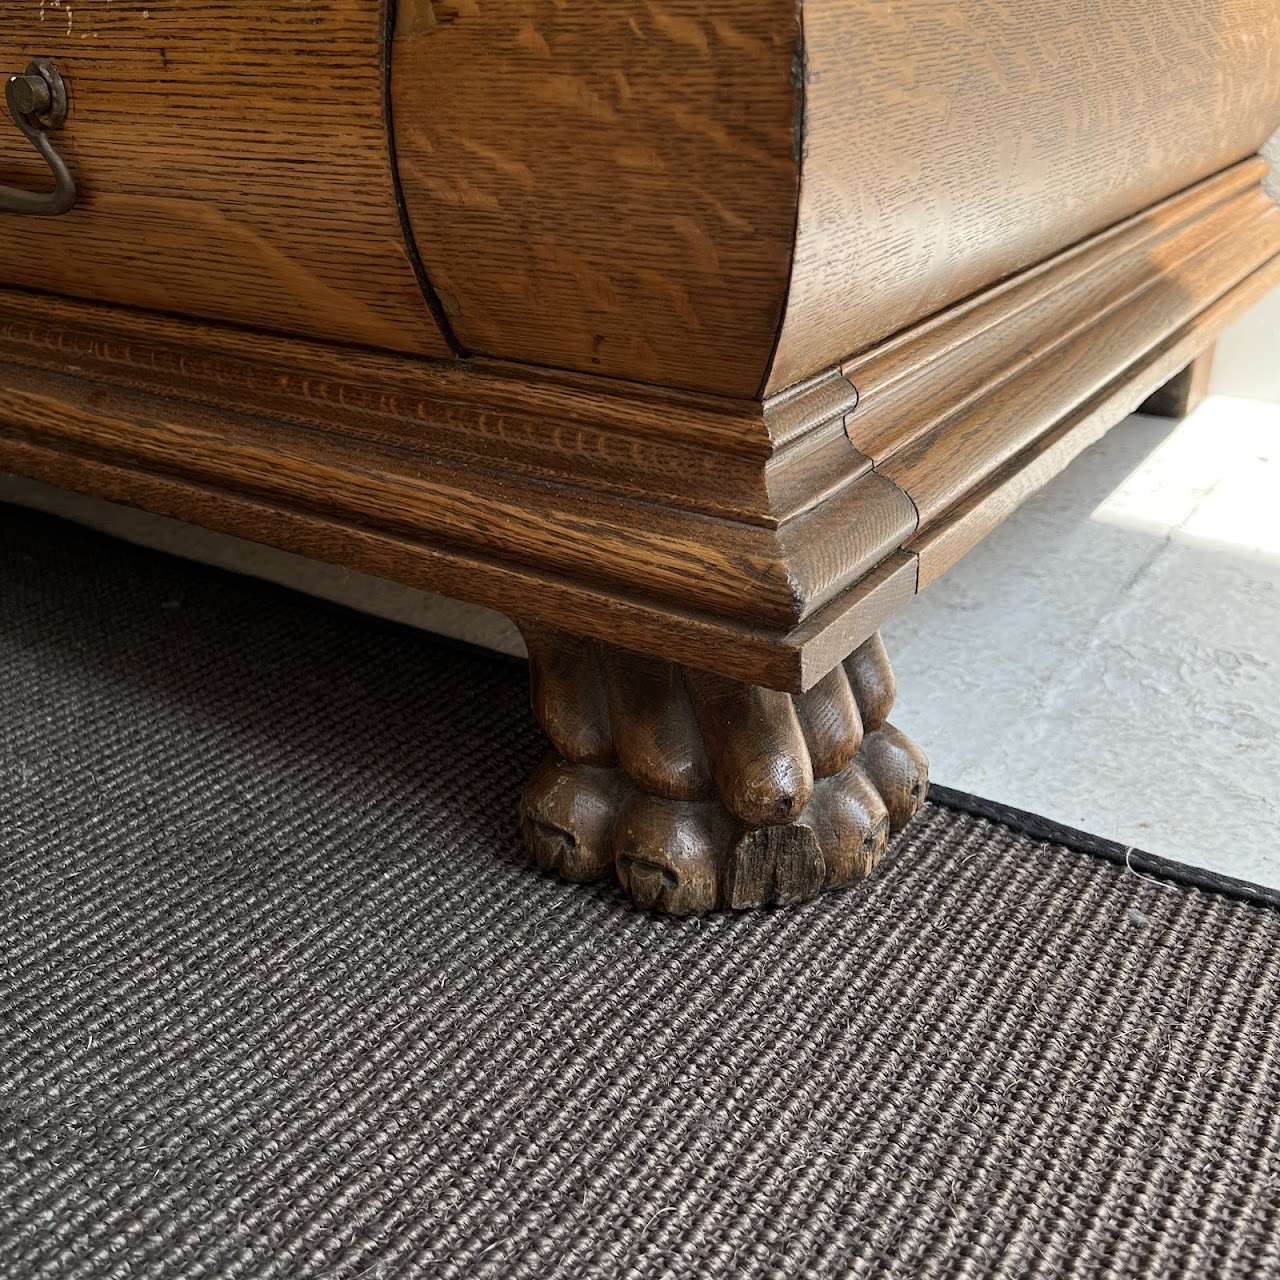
(38, 103)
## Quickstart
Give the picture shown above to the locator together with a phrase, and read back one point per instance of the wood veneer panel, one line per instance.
(232, 160)
(604, 187)
(948, 145)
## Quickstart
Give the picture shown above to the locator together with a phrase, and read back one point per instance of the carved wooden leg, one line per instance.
(1181, 395)
(701, 792)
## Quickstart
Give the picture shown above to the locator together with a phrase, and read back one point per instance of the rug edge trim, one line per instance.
(1038, 827)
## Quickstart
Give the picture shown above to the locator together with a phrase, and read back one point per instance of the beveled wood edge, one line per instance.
(770, 578)
(941, 543)
(741, 460)
(907, 354)
(784, 603)
(1068, 367)
(963, 356)
(775, 659)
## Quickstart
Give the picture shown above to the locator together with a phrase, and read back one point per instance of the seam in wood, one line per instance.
(389, 10)
(798, 83)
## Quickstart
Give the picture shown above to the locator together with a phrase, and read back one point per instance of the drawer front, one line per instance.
(604, 185)
(232, 162)
(682, 191)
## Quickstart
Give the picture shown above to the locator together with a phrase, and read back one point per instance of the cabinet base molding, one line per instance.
(699, 792)
(761, 539)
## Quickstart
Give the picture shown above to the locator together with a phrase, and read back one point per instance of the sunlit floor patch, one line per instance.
(1110, 656)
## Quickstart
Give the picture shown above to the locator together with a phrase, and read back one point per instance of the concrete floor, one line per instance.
(1110, 656)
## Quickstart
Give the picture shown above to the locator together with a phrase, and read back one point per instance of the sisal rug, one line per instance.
(273, 1004)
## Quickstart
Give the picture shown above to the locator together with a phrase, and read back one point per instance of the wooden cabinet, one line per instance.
(703, 330)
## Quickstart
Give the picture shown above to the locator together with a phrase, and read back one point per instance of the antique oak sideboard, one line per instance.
(695, 335)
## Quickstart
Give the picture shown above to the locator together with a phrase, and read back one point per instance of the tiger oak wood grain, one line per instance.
(937, 469)
(735, 458)
(656, 191)
(783, 660)
(950, 144)
(759, 575)
(604, 187)
(733, 570)
(233, 161)
(944, 541)
(678, 184)
(911, 383)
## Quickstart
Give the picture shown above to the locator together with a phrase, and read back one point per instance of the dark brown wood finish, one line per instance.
(700, 792)
(1183, 394)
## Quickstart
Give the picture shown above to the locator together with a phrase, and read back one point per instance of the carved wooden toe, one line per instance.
(567, 818)
(898, 770)
(670, 854)
(699, 792)
(851, 822)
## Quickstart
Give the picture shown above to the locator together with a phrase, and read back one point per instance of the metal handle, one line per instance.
(38, 103)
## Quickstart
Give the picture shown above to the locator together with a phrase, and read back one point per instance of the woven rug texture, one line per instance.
(274, 1002)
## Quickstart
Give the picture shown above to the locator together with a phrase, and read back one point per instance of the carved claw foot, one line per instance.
(700, 792)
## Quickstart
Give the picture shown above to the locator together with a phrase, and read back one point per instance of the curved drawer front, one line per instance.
(953, 142)
(232, 161)
(604, 185)
(658, 190)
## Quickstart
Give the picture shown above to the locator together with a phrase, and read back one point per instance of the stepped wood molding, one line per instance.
(697, 336)
(763, 540)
